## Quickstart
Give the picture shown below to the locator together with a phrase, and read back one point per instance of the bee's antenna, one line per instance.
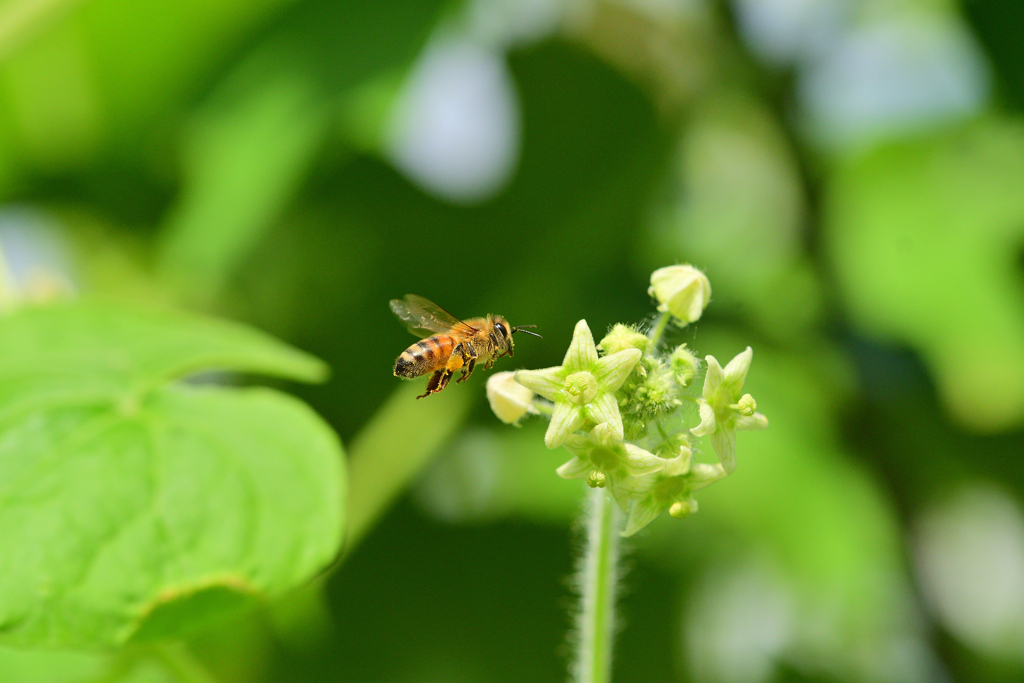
(521, 329)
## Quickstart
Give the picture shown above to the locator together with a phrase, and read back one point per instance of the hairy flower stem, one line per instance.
(597, 582)
(658, 331)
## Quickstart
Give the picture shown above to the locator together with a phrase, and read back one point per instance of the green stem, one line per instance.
(658, 331)
(598, 580)
(393, 448)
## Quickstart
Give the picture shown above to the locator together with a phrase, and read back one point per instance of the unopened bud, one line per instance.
(682, 508)
(683, 291)
(684, 365)
(747, 405)
(622, 337)
(509, 400)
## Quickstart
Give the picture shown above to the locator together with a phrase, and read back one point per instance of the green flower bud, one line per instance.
(596, 480)
(684, 365)
(683, 508)
(682, 290)
(647, 395)
(747, 405)
(509, 400)
(622, 337)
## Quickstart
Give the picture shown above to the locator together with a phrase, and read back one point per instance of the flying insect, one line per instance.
(449, 345)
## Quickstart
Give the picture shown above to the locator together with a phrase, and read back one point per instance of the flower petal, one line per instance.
(619, 493)
(708, 423)
(578, 445)
(724, 443)
(712, 380)
(547, 382)
(704, 474)
(639, 462)
(577, 468)
(582, 353)
(755, 421)
(612, 370)
(604, 435)
(605, 409)
(735, 374)
(679, 465)
(644, 511)
(565, 420)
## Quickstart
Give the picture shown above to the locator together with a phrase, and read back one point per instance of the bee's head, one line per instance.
(503, 331)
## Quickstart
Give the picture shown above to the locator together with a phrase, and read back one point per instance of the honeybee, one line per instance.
(449, 344)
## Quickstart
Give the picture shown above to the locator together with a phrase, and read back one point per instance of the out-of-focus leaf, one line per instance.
(261, 130)
(245, 157)
(53, 128)
(153, 57)
(45, 666)
(925, 237)
(134, 508)
(20, 20)
(121, 65)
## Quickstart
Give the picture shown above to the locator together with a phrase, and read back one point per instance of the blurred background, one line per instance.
(849, 174)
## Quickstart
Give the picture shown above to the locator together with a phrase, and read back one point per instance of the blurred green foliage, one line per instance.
(237, 159)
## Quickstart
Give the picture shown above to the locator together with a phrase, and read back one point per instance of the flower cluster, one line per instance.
(616, 407)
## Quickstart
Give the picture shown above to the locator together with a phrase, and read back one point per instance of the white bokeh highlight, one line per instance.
(36, 253)
(969, 558)
(892, 78)
(782, 32)
(455, 128)
(506, 23)
(738, 624)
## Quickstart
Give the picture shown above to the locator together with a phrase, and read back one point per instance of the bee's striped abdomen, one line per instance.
(425, 356)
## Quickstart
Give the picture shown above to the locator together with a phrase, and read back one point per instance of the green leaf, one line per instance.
(131, 506)
(45, 666)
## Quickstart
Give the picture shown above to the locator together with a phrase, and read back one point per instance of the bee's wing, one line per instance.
(423, 317)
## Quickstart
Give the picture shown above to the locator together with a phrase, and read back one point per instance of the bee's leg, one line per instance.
(432, 384)
(455, 362)
(494, 345)
(446, 376)
(470, 354)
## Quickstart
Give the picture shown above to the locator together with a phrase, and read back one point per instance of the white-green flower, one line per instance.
(582, 387)
(682, 290)
(628, 471)
(723, 410)
(672, 490)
